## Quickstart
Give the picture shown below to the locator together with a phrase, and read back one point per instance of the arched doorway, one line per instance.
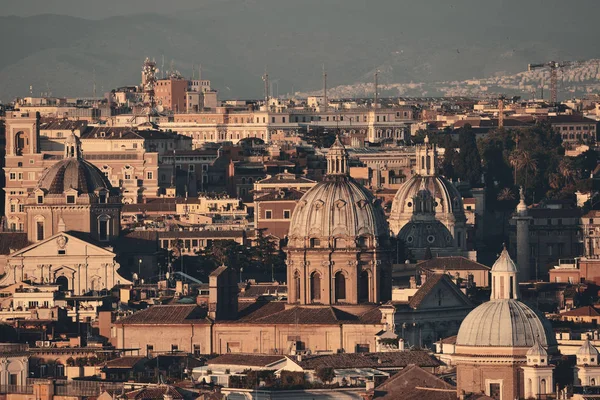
(63, 283)
(20, 143)
(340, 287)
(364, 286)
(315, 287)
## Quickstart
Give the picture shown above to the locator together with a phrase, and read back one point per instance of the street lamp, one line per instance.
(140, 267)
(241, 270)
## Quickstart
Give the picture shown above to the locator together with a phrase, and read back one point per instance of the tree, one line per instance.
(224, 252)
(468, 162)
(266, 255)
(325, 374)
(450, 158)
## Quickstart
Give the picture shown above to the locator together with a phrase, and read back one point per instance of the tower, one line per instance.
(587, 370)
(22, 134)
(426, 155)
(522, 220)
(537, 374)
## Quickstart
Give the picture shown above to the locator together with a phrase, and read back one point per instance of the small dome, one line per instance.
(504, 263)
(73, 173)
(337, 207)
(505, 323)
(448, 204)
(537, 351)
(587, 349)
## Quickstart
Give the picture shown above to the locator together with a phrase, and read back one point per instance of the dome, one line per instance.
(587, 349)
(537, 351)
(337, 207)
(448, 205)
(504, 263)
(73, 173)
(505, 323)
(423, 234)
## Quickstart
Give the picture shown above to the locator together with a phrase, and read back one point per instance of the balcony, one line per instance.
(128, 183)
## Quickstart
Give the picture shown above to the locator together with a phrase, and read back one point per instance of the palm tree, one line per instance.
(528, 163)
(516, 162)
(556, 181)
(506, 195)
(567, 170)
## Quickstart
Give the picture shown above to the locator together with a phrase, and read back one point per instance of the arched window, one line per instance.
(364, 286)
(39, 227)
(340, 287)
(315, 287)
(340, 243)
(104, 227)
(592, 382)
(543, 386)
(296, 286)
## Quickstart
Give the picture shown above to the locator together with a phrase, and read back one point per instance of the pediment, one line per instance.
(73, 246)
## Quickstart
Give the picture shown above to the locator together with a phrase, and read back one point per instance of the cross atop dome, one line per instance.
(337, 158)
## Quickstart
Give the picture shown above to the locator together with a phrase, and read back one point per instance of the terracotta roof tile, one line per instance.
(413, 383)
(11, 241)
(452, 263)
(250, 360)
(125, 362)
(587, 311)
(181, 314)
(386, 360)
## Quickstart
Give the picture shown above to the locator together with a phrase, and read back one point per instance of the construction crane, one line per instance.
(553, 66)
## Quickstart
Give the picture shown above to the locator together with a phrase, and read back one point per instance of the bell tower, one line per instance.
(426, 159)
(22, 134)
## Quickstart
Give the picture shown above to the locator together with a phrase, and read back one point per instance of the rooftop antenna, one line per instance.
(376, 88)
(266, 80)
(94, 82)
(162, 67)
(325, 103)
(199, 72)
(193, 71)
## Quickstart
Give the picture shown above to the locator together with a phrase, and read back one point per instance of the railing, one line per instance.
(16, 389)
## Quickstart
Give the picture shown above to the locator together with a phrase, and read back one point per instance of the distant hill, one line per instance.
(235, 40)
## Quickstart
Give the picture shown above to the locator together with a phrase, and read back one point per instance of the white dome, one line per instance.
(537, 351)
(505, 323)
(448, 201)
(338, 207)
(504, 263)
(587, 349)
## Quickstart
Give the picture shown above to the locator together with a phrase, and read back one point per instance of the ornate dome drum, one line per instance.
(447, 201)
(338, 240)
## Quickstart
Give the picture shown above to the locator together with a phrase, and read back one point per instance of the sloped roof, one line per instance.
(455, 263)
(11, 241)
(155, 393)
(180, 314)
(587, 311)
(414, 383)
(383, 360)
(250, 360)
(125, 362)
(429, 285)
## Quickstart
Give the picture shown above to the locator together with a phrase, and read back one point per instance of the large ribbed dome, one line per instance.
(505, 323)
(337, 207)
(73, 173)
(448, 202)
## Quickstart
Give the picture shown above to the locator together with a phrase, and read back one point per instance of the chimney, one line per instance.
(298, 357)
(370, 385)
(413, 282)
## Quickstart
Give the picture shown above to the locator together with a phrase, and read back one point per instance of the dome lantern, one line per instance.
(505, 284)
(337, 158)
(73, 147)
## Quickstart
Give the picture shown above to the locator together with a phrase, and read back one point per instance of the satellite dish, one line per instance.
(160, 108)
(168, 275)
(135, 276)
(142, 281)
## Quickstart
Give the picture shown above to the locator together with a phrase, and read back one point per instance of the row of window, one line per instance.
(287, 214)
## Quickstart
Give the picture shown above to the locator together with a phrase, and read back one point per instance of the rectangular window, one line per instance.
(174, 348)
(70, 199)
(62, 252)
(13, 208)
(31, 176)
(20, 175)
(40, 230)
(149, 350)
(12, 176)
(21, 207)
(268, 214)
(149, 175)
(103, 230)
(197, 352)
(286, 214)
